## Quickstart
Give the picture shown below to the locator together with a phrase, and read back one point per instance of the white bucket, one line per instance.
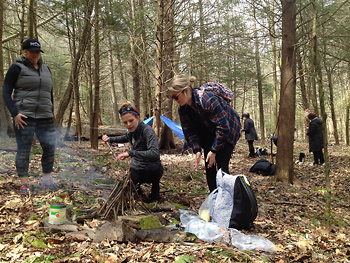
(57, 214)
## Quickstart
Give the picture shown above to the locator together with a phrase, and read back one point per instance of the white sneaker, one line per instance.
(323, 164)
(312, 164)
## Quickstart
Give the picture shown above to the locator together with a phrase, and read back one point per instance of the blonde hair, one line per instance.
(181, 82)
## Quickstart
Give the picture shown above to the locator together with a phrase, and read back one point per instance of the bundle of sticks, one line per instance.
(122, 198)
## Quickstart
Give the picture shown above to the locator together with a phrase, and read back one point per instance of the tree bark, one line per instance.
(115, 118)
(284, 160)
(94, 135)
(4, 125)
(167, 139)
(159, 66)
(134, 43)
(260, 88)
(274, 62)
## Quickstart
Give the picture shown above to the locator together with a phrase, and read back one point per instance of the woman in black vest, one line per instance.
(250, 133)
(31, 107)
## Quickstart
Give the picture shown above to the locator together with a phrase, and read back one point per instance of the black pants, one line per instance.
(45, 132)
(318, 156)
(150, 174)
(251, 148)
(223, 157)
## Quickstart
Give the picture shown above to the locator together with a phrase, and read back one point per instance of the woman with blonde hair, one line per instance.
(145, 166)
(208, 122)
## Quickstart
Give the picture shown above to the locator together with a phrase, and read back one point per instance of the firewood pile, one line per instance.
(122, 200)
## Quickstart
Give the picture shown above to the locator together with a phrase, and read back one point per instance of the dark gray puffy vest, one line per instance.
(32, 95)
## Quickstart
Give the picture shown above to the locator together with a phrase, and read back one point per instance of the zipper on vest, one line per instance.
(38, 100)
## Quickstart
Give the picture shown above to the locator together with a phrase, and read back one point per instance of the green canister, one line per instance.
(57, 214)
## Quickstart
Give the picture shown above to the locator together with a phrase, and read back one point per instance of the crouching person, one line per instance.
(145, 166)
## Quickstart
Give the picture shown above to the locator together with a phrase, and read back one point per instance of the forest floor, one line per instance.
(290, 216)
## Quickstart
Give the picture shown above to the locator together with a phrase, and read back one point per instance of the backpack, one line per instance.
(233, 204)
(263, 167)
(218, 89)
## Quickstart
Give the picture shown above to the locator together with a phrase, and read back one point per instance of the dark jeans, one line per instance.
(251, 148)
(318, 156)
(223, 157)
(45, 132)
(151, 174)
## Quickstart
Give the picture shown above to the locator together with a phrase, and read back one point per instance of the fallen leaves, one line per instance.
(291, 216)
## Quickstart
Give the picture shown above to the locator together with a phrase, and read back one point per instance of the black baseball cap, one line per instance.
(32, 44)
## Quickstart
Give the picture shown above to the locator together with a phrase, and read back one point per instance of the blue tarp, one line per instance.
(176, 128)
(149, 121)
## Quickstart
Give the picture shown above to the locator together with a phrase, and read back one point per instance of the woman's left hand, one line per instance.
(211, 159)
(122, 156)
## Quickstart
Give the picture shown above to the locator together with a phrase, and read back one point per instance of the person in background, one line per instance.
(145, 166)
(146, 117)
(32, 110)
(209, 123)
(250, 133)
(315, 133)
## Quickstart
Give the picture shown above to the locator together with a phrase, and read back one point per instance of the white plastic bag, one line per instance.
(251, 242)
(187, 215)
(208, 231)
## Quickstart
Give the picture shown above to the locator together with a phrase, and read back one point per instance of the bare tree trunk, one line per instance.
(260, 88)
(31, 18)
(284, 160)
(121, 71)
(94, 135)
(134, 42)
(116, 118)
(167, 139)
(331, 102)
(274, 61)
(90, 84)
(159, 66)
(3, 112)
(347, 118)
(304, 93)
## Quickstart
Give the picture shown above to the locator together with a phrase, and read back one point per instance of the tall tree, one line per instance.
(271, 19)
(96, 76)
(3, 118)
(260, 87)
(134, 48)
(284, 159)
(167, 139)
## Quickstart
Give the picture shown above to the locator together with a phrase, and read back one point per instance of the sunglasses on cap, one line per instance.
(176, 97)
(127, 109)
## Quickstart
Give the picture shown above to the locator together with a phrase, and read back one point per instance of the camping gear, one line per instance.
(260, 152)
(57, 214)
(218, 89)
(263, 167)
(233, 203)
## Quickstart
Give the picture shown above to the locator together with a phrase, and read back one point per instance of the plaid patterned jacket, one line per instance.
(217, 115)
